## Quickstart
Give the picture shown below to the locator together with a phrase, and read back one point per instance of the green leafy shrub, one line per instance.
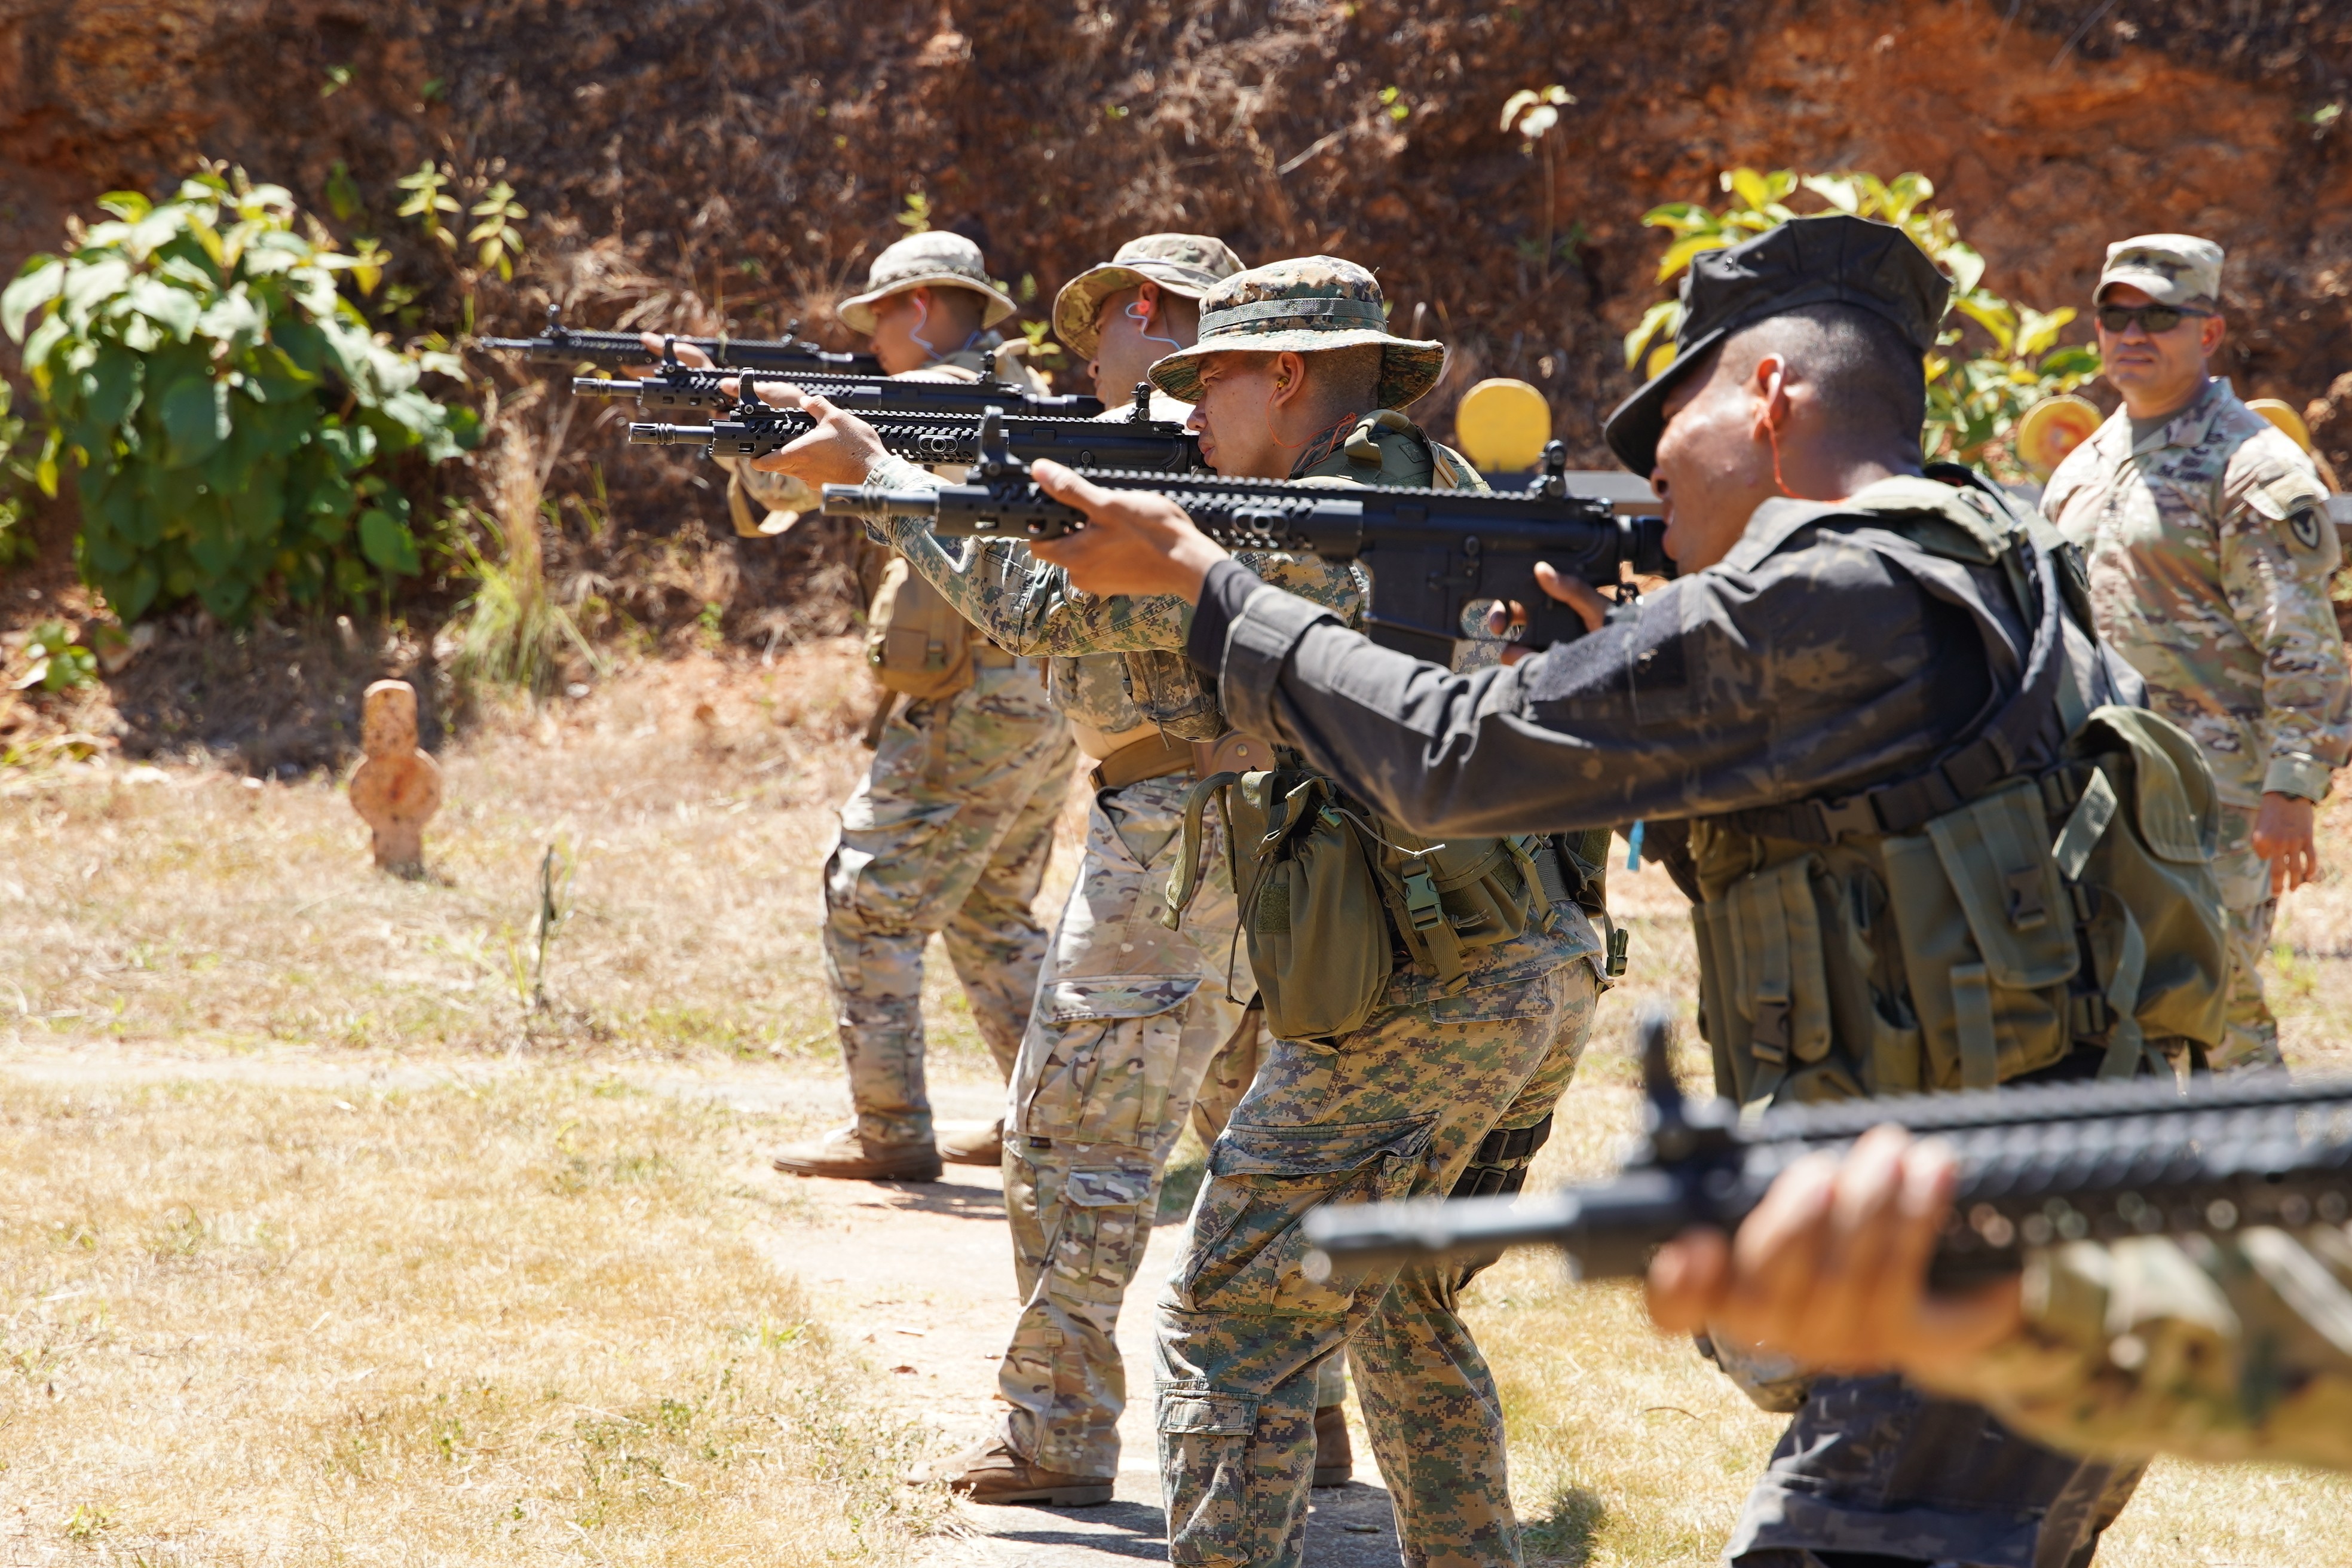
(231, 412)
(15, 484)
(58, 663)
(1974, 398)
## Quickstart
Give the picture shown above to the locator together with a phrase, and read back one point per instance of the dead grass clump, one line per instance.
(461, 1325)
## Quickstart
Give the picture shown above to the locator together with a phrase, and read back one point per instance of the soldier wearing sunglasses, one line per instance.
(2210, 555)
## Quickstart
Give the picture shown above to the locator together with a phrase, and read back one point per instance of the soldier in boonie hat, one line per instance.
(2177, 270)
(1310, 305)
(933, 259)
(1189, 264)
(1832, 260)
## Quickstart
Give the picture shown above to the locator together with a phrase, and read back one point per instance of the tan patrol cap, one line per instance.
(2170, 268)
(936, 259)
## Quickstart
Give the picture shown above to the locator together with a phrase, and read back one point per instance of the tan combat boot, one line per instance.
(981, 1144)
(990, 1472)
(1334, 1452)
(843, 1155)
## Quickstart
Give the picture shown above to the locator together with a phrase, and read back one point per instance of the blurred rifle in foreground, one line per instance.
(2038, 1164)
(674, 386)
(560, 344)
(1433, 556)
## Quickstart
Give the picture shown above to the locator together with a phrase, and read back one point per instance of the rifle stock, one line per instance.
(2038, 1164)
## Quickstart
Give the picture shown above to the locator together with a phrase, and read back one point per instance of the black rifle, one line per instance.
(1137, 444)
(562, 345)
(2037, 1164)
(674, 386)
(1432, 555)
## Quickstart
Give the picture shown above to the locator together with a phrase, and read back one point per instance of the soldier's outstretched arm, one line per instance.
(1728, 688)
(2219, 1350)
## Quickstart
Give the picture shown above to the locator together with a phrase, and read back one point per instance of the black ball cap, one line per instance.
(1832, 260)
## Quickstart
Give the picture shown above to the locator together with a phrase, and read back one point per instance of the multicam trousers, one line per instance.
(1136, 1026)
(947, 832)
(2251, 1037)
(1397, 1111)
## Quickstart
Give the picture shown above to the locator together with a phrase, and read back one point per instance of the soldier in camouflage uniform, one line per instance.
(1441, 1077)
(2209, 552)
(1830, 691)
(950, 828)
(2217, 1348)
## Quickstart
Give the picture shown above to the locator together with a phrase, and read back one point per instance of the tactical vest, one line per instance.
(2043, 888)
(1333, 895)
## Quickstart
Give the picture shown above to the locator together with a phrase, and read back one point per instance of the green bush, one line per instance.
(15, 484)
(232, 412)
(1974, 398)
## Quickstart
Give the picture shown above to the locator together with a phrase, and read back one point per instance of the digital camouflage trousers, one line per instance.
(947, 832)
(1136, 1028)
(2252, 1033)
(1397, 1111)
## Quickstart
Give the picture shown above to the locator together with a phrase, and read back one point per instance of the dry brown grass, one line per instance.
(235, 1290)
(525, 1321)
(184, 906)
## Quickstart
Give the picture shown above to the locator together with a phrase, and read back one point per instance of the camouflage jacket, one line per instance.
(1027, 608)
(2234, 1349)
(2209, 552)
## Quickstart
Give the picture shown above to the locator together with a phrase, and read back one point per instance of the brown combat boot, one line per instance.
(990, 1472)
(977, 1144)
(1334, 1452)
(844, 1155)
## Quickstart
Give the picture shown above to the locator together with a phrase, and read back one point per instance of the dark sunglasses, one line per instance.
(2118, 319)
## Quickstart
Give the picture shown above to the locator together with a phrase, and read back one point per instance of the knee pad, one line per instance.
(1499, 1167)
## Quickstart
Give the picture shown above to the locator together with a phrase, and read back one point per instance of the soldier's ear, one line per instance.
(2210, 333)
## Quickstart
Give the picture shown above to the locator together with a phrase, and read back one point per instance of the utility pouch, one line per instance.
(1309, 897)
(914, 639)
(1448, 898)
(1987, 929)
(1766, 1003)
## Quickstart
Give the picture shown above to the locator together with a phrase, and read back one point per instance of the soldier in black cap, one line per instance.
(1906, 790)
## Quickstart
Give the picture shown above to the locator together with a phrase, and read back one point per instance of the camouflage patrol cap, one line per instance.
(2170, 268)
(1307, 306)
(1186, 263)
(1832, 259)
(935, 258)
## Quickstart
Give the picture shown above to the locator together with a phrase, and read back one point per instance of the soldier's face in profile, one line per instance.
(1236, 415)
(1136, 329)
(1712, 471)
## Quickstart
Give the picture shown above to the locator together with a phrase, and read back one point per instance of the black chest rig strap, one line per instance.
(1969, 770)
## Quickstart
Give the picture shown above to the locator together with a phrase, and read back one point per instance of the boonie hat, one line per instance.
(1307, 306)
(1186, 263)
(935, 258)
(1832, 259)
(2170, 268)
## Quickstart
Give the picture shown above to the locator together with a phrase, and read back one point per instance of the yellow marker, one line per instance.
(2052, 428)
(1502, 425)
(2283, 416)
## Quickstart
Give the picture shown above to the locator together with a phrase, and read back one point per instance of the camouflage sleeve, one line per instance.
(2278, 554)
(1025, 607)
(2239, 1349)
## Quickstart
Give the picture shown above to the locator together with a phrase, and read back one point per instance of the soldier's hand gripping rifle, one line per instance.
(560, 344)
(674, 386)
(1141, 444)
(2037, 1164)
(1432, 555)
